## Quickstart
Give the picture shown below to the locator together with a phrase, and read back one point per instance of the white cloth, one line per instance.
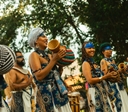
(127, 81)
(91, 92)
(5, 107)
(8, 100)
(124, 98)
(27, 100)
(33, 35)
(65, 108)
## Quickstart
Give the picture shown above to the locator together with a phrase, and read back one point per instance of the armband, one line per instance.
(36, 70)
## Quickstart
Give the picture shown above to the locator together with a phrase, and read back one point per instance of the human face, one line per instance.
(20, 59)
(89, 49)
(127, 59)
(41, 42)
(107, 53)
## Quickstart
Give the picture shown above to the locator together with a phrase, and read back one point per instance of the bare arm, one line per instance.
(35, 64)
(86, 69)
(12, 77)
(103, 66)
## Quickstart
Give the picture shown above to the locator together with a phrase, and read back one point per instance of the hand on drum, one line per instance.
(113, 76)
(60, 54)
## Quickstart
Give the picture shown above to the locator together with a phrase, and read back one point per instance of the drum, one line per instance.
(68, 59)
(74, 102)
(54, 46)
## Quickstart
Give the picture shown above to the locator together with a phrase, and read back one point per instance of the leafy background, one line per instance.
(103, 21)
(106, 21)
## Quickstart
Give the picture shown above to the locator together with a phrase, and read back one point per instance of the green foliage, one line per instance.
(106, 20)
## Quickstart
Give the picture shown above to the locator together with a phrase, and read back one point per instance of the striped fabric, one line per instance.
(7, 59)
(74, 102)
(68, 59)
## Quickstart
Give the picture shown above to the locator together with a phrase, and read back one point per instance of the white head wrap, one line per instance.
(33, 35)
(7, 59)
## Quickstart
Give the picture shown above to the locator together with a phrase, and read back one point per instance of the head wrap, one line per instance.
(104, 46)
(108, 48)
(89, 45)
(7, 59)
(33, 36)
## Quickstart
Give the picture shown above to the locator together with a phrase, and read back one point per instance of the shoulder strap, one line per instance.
(27, 91)
(24, 71)
(106, 61)
(42, 54)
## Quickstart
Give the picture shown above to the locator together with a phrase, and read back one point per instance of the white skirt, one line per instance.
(124, 98)
(65, 108)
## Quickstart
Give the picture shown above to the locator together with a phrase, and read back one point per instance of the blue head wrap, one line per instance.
(107, 48)
(89, 45)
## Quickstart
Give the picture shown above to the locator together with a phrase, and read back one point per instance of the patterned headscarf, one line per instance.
(33, 36)
(7, 59)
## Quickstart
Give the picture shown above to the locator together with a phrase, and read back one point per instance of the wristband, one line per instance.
(100, 78)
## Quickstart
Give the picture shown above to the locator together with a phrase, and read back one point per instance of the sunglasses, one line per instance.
(19, 57)
(42, 34)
